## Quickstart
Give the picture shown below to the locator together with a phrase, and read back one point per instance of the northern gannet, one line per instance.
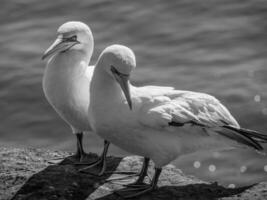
(67, 78)
(158, 123)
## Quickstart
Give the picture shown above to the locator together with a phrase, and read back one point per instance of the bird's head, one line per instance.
(119, 61)
(72, 36)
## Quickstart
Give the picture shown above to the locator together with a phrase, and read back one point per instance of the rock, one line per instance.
(27, 175)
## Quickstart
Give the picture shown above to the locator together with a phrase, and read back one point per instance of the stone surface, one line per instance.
(27, 174)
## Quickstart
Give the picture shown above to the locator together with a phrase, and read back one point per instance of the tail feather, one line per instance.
(255, 135)
(244, 136)
(251, 135)
(241, 139)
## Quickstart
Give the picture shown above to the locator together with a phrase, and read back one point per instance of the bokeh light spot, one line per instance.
(231, 185)
(257, 98)
(265, 168)
(212, 168)
(197, 164)
(243, 169)
(264, 111)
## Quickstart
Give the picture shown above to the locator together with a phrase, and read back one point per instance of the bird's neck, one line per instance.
(106, 100)
(105, 85)
(69, 62)
(106, 93)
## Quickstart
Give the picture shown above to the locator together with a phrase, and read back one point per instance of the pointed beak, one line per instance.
(59, 45)
(123, 81)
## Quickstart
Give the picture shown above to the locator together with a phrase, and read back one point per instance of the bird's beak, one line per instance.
(59, 45)
(123, 81)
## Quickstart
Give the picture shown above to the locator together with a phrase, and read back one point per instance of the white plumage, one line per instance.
(162, 123)
(66, 88)
(67, 77)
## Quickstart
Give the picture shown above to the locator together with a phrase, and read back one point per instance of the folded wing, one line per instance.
(179, 108)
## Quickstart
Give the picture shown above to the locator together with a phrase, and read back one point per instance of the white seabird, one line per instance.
(67, 78)
(158, 123)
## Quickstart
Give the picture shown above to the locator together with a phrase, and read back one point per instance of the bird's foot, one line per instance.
(139, 188)
(135, 190)
(80, 158)
(102, 162)
(99, 162)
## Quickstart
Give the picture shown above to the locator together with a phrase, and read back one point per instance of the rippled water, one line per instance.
(213, 46)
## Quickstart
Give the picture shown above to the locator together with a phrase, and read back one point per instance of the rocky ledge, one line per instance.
(27, 174)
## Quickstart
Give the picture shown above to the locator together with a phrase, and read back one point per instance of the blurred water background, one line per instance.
(213, 46)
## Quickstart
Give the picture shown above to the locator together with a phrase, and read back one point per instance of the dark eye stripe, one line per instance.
(114, 70)
(70, 39)
(73, 38)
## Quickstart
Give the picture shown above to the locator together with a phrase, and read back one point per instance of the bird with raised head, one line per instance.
(67, 78)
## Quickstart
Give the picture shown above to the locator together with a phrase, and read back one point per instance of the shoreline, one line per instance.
(27, 173)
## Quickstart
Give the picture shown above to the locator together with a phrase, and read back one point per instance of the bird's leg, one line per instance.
(80, 153)
(141, 175)
(143, 172)
(102, 161)
(137, 191)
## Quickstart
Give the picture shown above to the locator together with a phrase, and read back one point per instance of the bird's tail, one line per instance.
(249, 137)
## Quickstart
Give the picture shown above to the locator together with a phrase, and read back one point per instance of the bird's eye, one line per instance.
(114, 70)
(73, 38)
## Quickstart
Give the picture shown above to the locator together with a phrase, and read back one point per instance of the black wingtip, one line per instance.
(176, 124)
(250, 135)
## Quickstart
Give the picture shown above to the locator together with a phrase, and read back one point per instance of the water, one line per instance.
(212, 46)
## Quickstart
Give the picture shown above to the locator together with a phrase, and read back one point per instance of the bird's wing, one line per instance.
(202, 109)
(179, 108)
(173, 106)
(156, 90)
(146, 93)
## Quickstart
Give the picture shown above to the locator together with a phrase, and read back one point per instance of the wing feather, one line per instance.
(177, 108)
